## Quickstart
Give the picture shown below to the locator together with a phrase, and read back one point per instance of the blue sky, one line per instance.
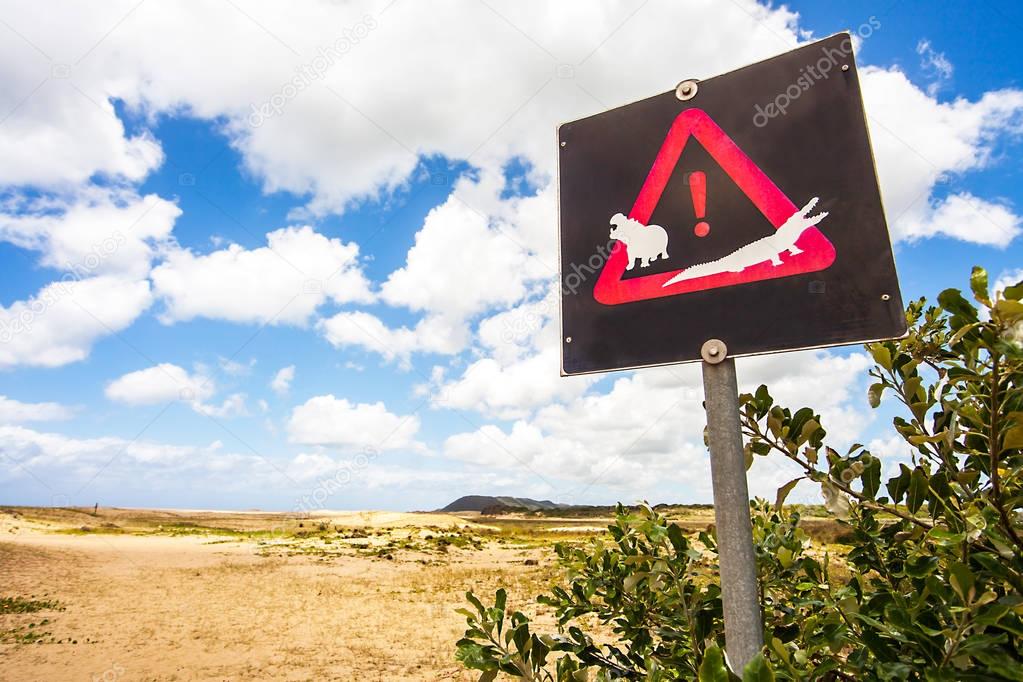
(395, 347)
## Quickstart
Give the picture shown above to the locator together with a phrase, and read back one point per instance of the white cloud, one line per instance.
(522, 368)
(16, 412)
(335, 422)
(513, 390)
(647, 429)
(281, 382)
(461, 264)
(233, 406)
(92, 231)
(281, 283)
(1007, 278)
(964, 216)
(111, 466)
(166, 382)
(235, 368)
(56, 135)
(348, 131)
(159, 384)
(432, 334)
(935, 64)
(476, 251)
(920, 143)
(61, 323)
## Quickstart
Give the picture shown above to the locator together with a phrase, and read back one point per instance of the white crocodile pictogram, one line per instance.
(769, 248)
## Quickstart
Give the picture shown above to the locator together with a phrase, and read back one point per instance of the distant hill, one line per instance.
(478, 503)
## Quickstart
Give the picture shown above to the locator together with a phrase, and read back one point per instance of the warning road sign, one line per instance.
(719, 216)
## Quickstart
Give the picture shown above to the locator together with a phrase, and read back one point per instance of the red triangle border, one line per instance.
(818, 251)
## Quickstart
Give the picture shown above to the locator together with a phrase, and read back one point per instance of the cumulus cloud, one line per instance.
(166, 383)
(965, 217)
(112, 466)
(432, 334)
(1007, 278)
(64, 319)
(461, 264)
(55, 136)
(648, 427)
(935, 64)
(924, 147)
(92, 231)
(281, 283)
(281, 383)
(159, 384)
(521, 370)
(342, 129)
(235, 368)
(16, 412)
(232, 406)
(335, 422)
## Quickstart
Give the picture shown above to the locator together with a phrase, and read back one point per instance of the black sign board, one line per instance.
(743, 208)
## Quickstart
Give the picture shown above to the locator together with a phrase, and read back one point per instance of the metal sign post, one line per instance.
(738, 565)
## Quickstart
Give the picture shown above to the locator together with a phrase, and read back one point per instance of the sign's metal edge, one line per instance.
(737, 355)
(560, 296)
(877, 182)
(846, 32)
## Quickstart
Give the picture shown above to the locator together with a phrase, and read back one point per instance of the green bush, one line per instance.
(931, 587)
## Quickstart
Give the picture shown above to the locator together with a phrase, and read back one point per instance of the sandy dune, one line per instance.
(205, 607)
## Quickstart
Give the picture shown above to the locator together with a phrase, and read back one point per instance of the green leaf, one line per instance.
(1009, 311)
(476, 602)
(921, 566)
(898, 485)
(962, 580)
(979, 285)
(952, 301)
(911, 388)
(800, 419)
(997, 662)
(758, 670)
(809, 429)
(881, 354)
(961, 332)
(784, 491)
(874, 394)
(1013, 293)
(917, 490)
(713, 668)
(1013, 439)
(871, 477)
(489, 676)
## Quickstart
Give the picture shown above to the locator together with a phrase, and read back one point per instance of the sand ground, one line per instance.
(145, 605)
